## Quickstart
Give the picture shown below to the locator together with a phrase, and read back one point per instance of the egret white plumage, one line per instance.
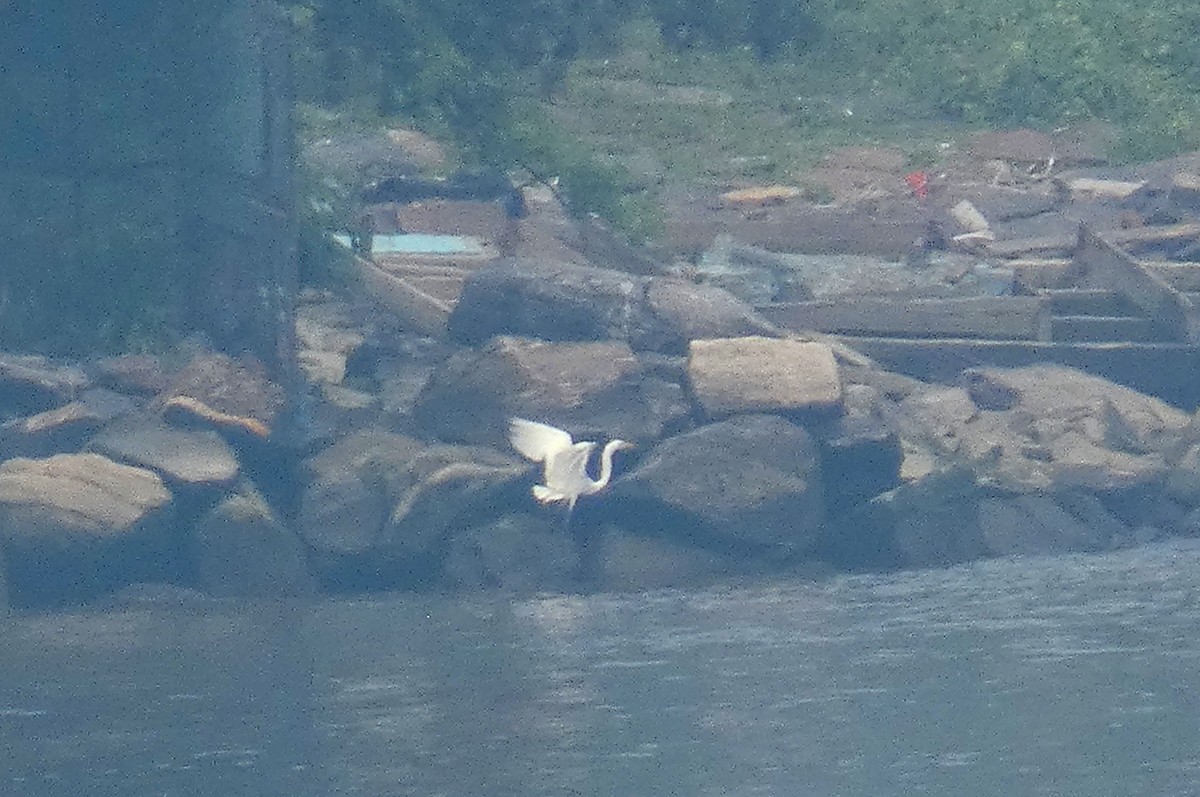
(565, 469)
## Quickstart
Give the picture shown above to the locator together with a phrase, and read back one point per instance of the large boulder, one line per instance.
(591, 389)
(194, 463)
(243, 549)
(552, 301)
(75, 525)
(928, 523)
(518, 553)
(443, 489)
(756, 374)
(1035, 524)
(381, 508)
(349, 493)
(752, 481)
(1046, 427)
(562, 302)
(231, 389)
(683, 311)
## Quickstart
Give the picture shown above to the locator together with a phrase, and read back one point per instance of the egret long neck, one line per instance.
(606, 457)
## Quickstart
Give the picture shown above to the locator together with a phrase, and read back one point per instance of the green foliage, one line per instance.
(1030, 62)
(462, 70)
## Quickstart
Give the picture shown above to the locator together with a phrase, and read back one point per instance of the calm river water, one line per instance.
(1054, 676)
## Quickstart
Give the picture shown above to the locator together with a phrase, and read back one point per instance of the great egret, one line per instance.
(566, 461)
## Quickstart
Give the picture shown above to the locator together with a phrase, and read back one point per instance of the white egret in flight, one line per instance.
(565, 474)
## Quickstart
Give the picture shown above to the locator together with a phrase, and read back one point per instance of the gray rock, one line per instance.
(380, 502)
(32, 384)
(349, 495)
(933, 523)
(562, 302)
(1034, 524)
(516, 553)
(549, 301)
(243, 549)
(133, 374)
(593, 390)
(682, 311)
(752, 480)
(861, 453)
(64, 429)
(194, 462)
(632, 562)
(444, 488)
(75, 525)
(756, 374)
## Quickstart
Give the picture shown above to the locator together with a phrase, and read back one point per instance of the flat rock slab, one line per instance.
(73, 526)
(755, 374)
(192, 459)
(84, 495)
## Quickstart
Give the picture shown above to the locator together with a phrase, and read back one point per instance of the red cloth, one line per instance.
(919, 183)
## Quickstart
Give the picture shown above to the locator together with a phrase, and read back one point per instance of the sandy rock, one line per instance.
(243, 549)
(322, 366)
(591, 389)
(517, 553)
(186, 412)
(755, 374)
(231, 387)
(74, 525)
(1054, 428)
(31, 384)
(754, 479)
(193, 462)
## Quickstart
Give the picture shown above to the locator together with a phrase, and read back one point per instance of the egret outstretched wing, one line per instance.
(537, 441)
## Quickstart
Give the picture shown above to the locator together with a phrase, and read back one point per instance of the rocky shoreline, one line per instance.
(758, 452)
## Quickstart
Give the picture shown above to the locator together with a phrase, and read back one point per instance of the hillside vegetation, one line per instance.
(708, 89)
